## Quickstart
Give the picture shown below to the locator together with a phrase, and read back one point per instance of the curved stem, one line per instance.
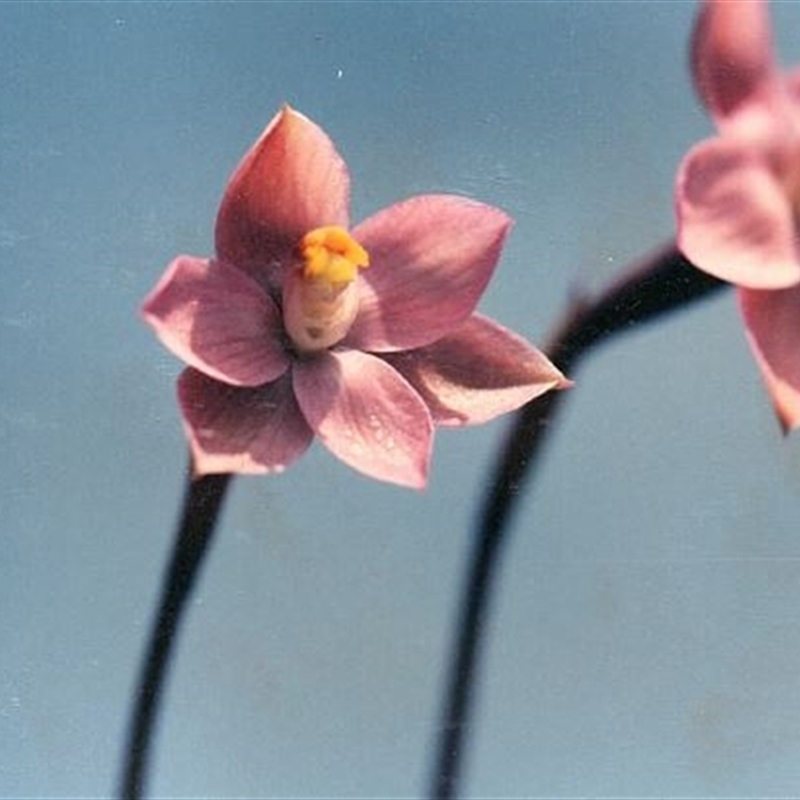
(662, 283)
(202, 504)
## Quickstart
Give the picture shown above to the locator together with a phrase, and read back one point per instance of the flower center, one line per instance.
(320, 300)
(330, 253)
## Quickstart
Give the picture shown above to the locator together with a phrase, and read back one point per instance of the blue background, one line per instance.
(646, 636)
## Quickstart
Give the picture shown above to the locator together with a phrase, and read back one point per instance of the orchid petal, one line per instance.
(218, 320)
(241, 430)
(772, 322)
(732, 55)
(478, 372)
(367, 415)
(735, 218)
(291, 181)
(431, 258)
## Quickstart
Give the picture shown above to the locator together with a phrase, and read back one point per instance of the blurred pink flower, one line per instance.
(738, 193)
(366, 339)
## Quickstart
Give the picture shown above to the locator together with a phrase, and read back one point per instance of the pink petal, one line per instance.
(732, 54)
(735, 218)
(478, 372)
(366, 415)
(431, 258)
(291, 181)
(219, 321)
(772, 321)
(241, 430)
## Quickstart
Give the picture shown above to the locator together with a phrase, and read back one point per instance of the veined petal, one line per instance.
(291, 181)
(219, 321)
(735, 218)
(731, 55)
(772, 322)
(241, 430)
(476, 373)
(431, 258)
(367, 415)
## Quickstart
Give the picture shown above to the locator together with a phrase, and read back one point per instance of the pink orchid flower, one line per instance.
(738, 194)
(364, 338)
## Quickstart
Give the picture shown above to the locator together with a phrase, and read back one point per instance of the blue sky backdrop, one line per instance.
(646, 636)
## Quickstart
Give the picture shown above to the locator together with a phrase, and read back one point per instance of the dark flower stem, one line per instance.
(660, 284)
(202, 503)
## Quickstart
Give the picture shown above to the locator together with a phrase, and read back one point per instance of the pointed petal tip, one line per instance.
(417, 481)
(408, 475)
(559, 379)
(772, 328)
(788, 417)
(481, 371)
(786, 430)
(731, 54)
(420, 487)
